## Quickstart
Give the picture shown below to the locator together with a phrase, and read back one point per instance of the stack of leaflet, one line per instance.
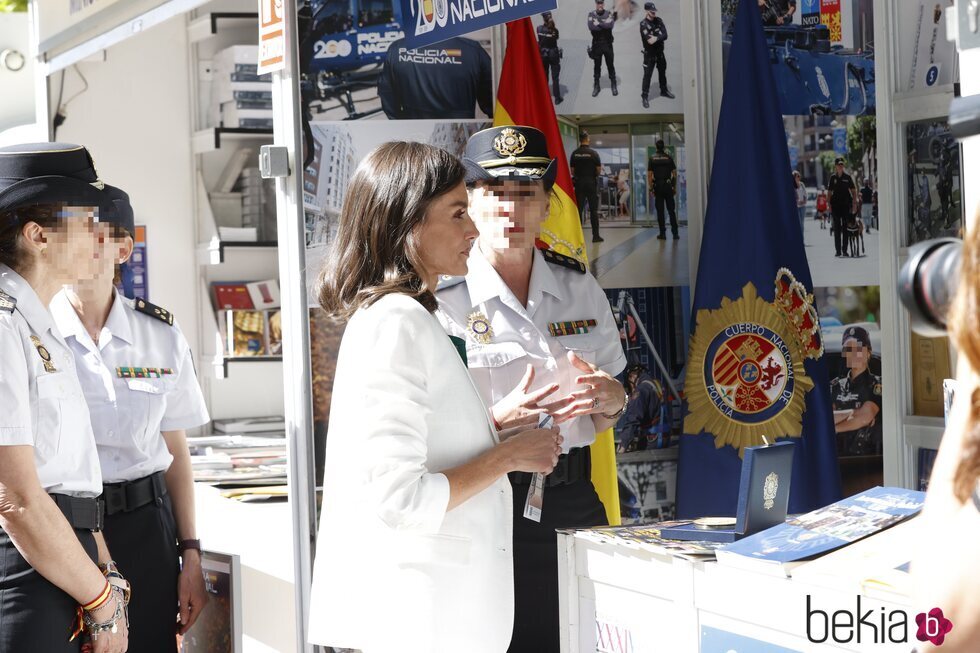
(245, 458)
(781, 549)
(646, 537)
(240, 97)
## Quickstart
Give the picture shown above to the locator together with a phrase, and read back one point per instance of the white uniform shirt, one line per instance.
(43, 405)
(520, 335)
(128, 414)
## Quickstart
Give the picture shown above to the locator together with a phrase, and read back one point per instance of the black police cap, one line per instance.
(510, 152)
(47, 173)
(839, 161)
(546, 15)
(649, 7)
(858, 333)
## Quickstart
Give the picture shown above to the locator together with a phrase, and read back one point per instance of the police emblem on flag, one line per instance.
(746, 374)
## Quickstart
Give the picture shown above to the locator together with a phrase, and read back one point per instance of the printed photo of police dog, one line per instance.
(354, 65)
(850, 324)
(822, 53)
(835, 173)
(612, 56)
(935, 201)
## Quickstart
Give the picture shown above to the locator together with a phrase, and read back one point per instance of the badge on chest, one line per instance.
(479, 327)
(45, 355)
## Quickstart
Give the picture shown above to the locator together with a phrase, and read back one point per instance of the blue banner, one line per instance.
(755, 370)
(840, 141)
(430, 21)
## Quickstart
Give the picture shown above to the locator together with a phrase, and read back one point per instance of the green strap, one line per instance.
(460, 345)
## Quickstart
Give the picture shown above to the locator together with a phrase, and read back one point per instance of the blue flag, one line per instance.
(755, 365)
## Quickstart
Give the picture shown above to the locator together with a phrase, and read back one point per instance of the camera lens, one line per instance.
(927, 283)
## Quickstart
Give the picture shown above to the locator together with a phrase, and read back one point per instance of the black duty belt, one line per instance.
(81, 512)
(130, 495)
(571, 468)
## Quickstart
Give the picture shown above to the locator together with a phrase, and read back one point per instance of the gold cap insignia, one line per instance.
(509, 142)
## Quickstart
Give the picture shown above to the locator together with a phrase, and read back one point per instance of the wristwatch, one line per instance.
(184, 545)
(622, 409)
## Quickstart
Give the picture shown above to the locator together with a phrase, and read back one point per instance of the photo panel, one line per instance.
(927, 58)
(935, 194)
(850, 321)
(354, 66)
(822, 54)
(629, 211)
(815, 143)
(580, 55)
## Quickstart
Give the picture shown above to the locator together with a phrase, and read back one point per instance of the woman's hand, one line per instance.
(108, 641)
(603, 394)
(536, 450)
(192, 595)
(520, 407)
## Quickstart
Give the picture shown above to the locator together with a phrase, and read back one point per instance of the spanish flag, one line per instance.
(523, 99)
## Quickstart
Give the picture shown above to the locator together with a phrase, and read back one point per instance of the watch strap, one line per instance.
(184, 545)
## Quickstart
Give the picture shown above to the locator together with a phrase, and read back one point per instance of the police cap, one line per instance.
(857, 333)
(839, 161)
(649, 6)
(47, 173)
(546, 15)
(509, 152)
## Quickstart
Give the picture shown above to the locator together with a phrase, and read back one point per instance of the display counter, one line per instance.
(261, 535)
(618, 599)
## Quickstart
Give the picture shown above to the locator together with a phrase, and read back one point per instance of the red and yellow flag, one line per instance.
(523, 99)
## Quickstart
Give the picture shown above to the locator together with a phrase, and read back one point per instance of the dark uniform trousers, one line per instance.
(654, 57)
(35, 615)
(587, 191)
(603, 49)
(551, 59)
(143, 543)
(661, 199)
(536, 560)
(839, 222)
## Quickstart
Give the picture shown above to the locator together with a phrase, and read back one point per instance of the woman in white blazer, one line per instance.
(414, 551)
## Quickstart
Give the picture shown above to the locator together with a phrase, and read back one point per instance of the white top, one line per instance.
(43, 406)
(800, 192)
(131, 407)
(520, 334)
(394, 570)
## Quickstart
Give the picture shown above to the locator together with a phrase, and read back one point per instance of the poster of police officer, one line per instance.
(354, 66)
(822, 53)
(935, 203)
(849, 322)
(612, 56)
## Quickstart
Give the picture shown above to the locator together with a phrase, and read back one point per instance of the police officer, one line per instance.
(777, 12)
(856, 397)
(643, 411)
(137, 374)
(586, 168)
(550, 53)
(540, 337)
(662, 180)
(444, 81)
(653, 33)
(50, 197)
(601, 23)
(843, 203)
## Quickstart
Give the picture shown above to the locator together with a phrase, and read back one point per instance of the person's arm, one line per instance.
(39, 530)
(598, 163)
(484, 90)
(192, 595)
(386, 85)
(663, 31)
(860, 418)
(948, 577)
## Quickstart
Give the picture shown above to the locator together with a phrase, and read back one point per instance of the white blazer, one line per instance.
(394, 571)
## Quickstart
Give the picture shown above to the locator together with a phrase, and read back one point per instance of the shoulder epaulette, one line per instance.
(447, 281)
(147, 308)
(7, 302)
(565, 261)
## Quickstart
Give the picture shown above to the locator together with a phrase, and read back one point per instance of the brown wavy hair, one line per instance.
(963, 325)
(12, 254)
(376, 250)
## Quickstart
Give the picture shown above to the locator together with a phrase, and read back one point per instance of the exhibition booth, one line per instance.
(237, 175)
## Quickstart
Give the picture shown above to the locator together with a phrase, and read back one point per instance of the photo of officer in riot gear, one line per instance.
(653, 35)
(601, 23)
(550, 53)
